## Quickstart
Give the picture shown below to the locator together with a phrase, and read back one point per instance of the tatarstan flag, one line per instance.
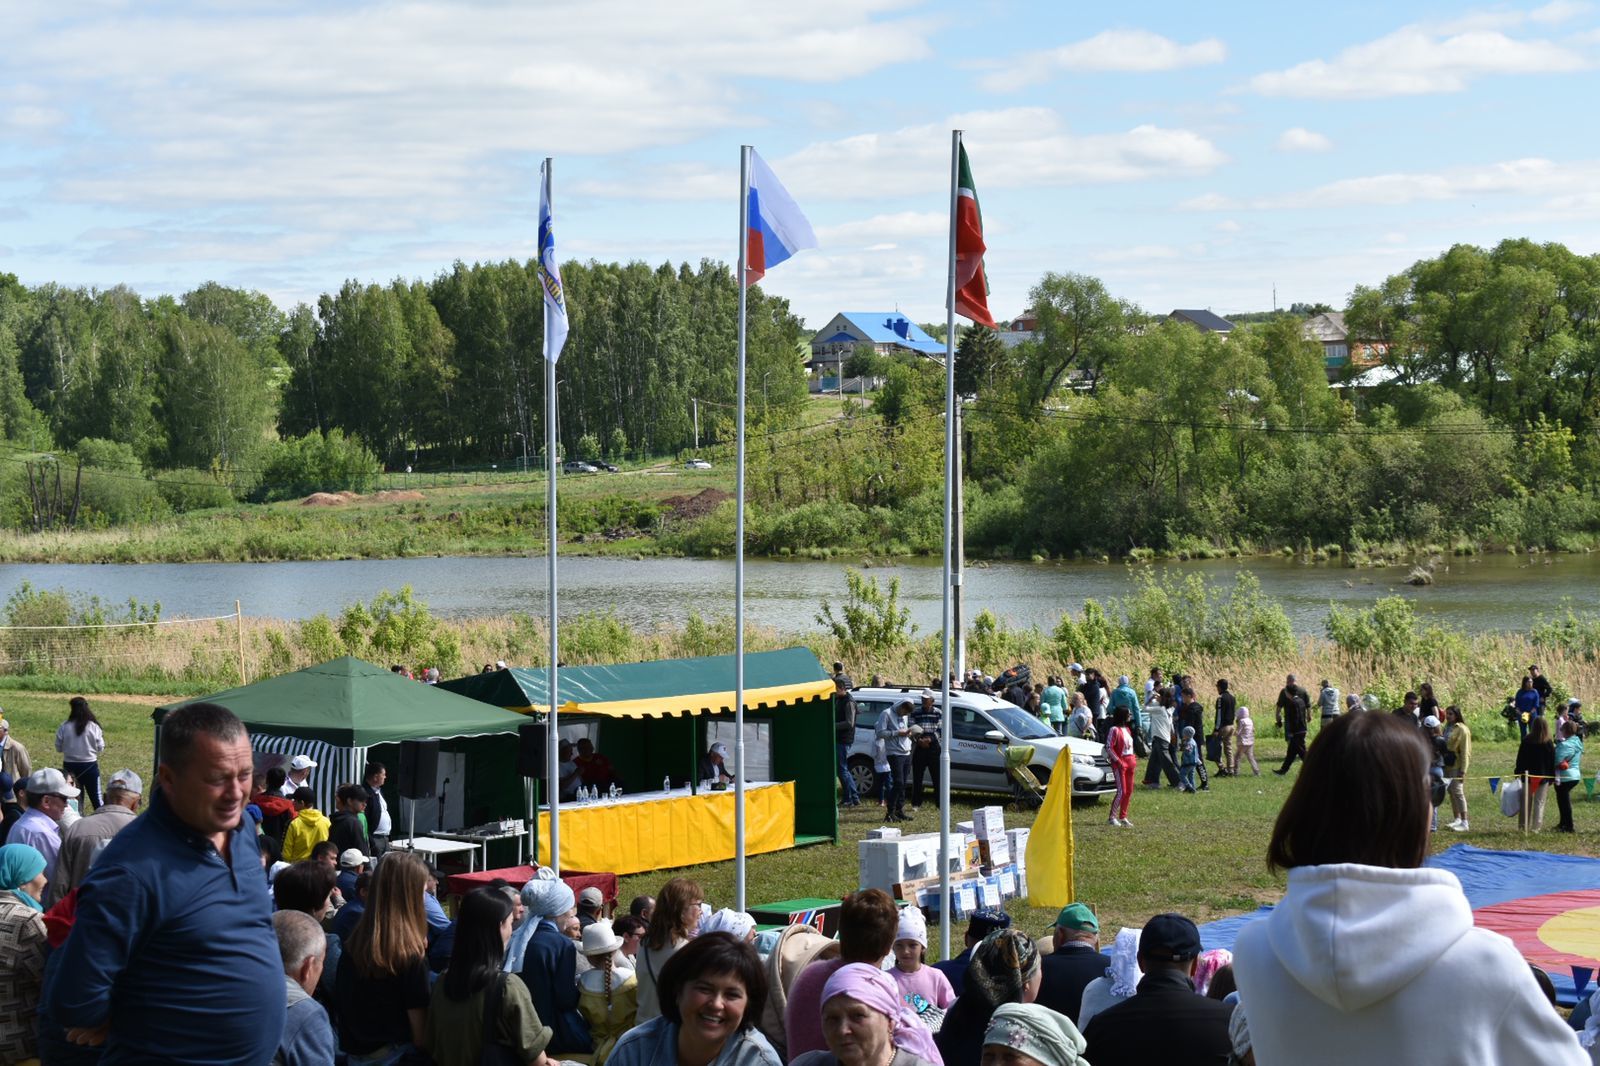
(972, 288)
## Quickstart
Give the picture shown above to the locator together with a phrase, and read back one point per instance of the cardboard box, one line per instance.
(1018, 839)
(989, 822)
(887, 832)
(995, 851)
(886, 863)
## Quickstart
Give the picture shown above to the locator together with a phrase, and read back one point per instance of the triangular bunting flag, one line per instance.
(1580, 978)
(1494, 784)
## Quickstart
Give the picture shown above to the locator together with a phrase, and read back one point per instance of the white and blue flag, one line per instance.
(555, 298)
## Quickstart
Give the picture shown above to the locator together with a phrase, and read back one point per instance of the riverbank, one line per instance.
(655, 511)
(611, 514)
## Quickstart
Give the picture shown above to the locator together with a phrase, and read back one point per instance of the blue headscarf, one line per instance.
(19, 864)
(545, 896)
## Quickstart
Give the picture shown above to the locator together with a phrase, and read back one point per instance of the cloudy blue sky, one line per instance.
(1190, 155)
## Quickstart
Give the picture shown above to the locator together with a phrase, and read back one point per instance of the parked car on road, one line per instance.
(976, 761)
(697, 464)
(577, 466)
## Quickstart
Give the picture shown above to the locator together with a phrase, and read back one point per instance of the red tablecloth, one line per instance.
(517, 876)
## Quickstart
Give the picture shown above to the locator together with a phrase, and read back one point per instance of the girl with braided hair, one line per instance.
(608, 992)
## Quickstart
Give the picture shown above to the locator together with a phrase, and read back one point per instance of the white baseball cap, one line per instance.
(350, 858)
(719, 748)
(128, 781)
(302, 762)
(49, 782)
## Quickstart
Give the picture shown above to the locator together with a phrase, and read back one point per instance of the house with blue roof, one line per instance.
(889, 332)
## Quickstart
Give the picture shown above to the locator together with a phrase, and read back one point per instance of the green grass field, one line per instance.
(1202, 855)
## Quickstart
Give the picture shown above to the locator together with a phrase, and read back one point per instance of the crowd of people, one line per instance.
(159, 928)
(1165, 723)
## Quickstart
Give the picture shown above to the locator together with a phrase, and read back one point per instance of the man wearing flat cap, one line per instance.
(1165, 1021)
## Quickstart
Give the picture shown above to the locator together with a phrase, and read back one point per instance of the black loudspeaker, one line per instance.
(418, 771)
(531, 754)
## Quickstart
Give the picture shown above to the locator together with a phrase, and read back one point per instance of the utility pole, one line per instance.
(696, 402)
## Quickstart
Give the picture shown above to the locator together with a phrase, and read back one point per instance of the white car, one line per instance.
(976, 764)
(697, 464)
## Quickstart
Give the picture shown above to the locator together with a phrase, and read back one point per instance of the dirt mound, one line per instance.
(397, 496)
(327, 499)
(699, 505)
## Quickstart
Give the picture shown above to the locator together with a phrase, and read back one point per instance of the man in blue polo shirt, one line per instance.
(173, 949)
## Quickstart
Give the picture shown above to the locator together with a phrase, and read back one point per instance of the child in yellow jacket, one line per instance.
(308, 829)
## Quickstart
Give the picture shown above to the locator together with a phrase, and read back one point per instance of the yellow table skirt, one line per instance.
(630, 838)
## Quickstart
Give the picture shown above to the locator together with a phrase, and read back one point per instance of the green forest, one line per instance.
(1113, 432)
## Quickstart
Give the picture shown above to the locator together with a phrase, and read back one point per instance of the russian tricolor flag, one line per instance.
(777, 229)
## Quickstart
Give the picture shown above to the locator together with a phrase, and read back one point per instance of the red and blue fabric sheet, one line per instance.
(776, 227)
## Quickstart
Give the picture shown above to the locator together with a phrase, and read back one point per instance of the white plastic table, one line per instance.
(434, 847)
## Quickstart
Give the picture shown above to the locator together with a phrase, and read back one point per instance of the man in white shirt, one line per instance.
(299, 776)
(379, 824)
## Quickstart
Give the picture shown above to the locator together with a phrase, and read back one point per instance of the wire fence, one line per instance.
(206, 649)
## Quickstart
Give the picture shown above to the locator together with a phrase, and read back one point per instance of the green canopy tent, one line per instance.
(347, 712)
(655, 719)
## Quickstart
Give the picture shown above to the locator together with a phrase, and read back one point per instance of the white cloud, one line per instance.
(1421, 59)
(1133, 51)
(400, 110)
(1023, 147)
(1299, 139)
(1567, 185)
(883, 230)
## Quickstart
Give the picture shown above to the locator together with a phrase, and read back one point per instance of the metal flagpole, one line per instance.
(738, 548)
(949, 508)
(551, 739)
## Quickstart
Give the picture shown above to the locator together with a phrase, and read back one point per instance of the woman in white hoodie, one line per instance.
(1368, 944)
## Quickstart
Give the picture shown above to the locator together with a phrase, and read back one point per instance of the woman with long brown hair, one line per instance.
(381, 991)
(674, 923)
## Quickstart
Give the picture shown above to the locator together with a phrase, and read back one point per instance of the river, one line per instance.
(1496, 592)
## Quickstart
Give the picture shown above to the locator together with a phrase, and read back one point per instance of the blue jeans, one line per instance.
(846, 781)
(1186, 777)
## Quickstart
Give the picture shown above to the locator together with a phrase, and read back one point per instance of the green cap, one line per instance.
(1078, 918)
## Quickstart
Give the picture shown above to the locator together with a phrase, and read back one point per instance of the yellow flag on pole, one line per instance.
(1050, 847)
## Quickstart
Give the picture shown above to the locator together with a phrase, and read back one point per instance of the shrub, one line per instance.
(316, 462)
(192, 490)
(870, 619)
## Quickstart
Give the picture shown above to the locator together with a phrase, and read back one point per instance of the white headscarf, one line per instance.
(1124, 968)
(728, 920)
(913, 926)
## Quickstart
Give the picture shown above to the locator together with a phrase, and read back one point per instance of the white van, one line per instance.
(976, 764)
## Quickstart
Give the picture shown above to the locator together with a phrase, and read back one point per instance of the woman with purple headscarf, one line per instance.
(867, 1023)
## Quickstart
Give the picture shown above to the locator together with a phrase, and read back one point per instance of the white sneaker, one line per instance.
(1113, 820)
(1460, 827)
(1126, 824)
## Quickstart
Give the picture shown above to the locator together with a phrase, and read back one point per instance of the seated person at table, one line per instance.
(714, 765)
(571, 773)
(595, 768)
